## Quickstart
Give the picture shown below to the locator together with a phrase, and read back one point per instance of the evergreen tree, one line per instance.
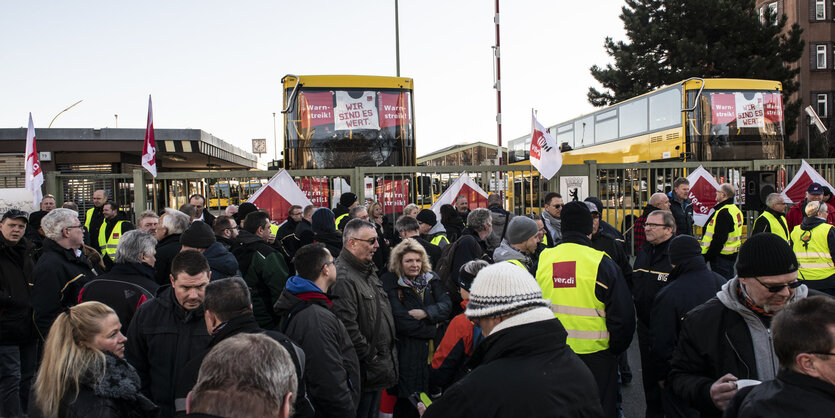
(672, 40)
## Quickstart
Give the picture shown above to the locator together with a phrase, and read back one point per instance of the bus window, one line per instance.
(606, 128)
(565, 134)
(633, 117)
(584, 132)
(665, 109)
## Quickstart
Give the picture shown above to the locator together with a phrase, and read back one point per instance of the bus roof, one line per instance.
(348, 81)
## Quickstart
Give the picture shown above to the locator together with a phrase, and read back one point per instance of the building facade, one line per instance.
(476, 153)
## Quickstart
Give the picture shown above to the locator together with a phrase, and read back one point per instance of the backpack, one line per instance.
(444, 266)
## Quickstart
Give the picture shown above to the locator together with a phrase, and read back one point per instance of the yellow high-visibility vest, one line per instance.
(89, 218)
(776, 226)
(567, 275)
(438, 239)
(812, 250)
(518, 263)
(109, 244)
(731, 246)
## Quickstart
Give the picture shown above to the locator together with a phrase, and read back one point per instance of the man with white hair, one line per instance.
(773, 218)
(61, 271)
(723, 233)
(523, 367)
(148, 222)
(172, 224)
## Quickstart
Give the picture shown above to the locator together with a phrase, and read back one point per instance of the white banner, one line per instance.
(545, 155)
(749, 113)
(351, 113)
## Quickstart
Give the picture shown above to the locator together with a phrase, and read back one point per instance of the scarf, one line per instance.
(419, 283)
(554, 224)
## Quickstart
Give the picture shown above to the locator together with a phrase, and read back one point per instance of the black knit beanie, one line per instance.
(683, 248)
(347, 199)
(576, 217)
(765, 254)
(245, 209)
(198, 235)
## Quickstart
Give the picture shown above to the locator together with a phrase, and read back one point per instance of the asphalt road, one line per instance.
(633, 393)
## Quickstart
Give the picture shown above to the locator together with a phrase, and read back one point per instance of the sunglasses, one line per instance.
(778, 288)
(556, 206)
(370, 241)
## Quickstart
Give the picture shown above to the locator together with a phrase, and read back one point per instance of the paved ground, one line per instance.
(633, 393)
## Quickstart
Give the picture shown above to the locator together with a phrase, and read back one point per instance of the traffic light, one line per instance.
(758, 185)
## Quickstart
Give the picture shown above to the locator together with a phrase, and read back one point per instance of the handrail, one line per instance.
(698, 95)
(292, 93)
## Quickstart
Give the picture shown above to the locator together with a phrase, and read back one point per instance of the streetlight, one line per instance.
(59, 113)
(397, 35)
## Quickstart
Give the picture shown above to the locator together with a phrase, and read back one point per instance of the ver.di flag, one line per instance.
(149, 147)
(545, 155)
(795, 191)
(462, 186)
(34, 175)
(702, 194)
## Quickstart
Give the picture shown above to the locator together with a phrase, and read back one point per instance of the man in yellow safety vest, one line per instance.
(115, 224)
(347, 201)
(814, 244)
(432, 230)
(591, 298)
(723, 233)
(94, 218)
(773, 218)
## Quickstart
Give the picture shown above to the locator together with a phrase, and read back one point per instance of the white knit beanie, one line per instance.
(503, 289)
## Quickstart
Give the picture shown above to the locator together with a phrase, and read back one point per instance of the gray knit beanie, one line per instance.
(503, 289)
(520, 229)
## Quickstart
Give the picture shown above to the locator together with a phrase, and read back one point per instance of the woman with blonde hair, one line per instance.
(813, 242)
(83, 372)
(420, 307)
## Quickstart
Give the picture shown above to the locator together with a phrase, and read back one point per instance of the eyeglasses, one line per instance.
(821, 354)
(73, 227)
(327, 264)
(557, 206)
(656, 225)
(778, 288)
(370, 241)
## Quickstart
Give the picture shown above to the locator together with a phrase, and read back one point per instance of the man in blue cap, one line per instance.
(796, 214)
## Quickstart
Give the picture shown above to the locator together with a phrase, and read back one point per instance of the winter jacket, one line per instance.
(791, 394)
(683, 214)
(438, 231)
(381, 256)
(689, 285)
(244, 324)
(724, 226)
(809, 224)
(287, 236)
(126, 287)
(163, 336)
(611, 244)
(649, 274)
(449, 362)
(363, 307)
(413, 335)
(332, 369)
(338, 211)
(506, 252)
(500, 219)
(304, 233)
(265, 272)
(453, 228)
(16, 264)
(468, 248)
(57, 278)
(332, 241)
(761, 224)
(221, 261)
(116, 395)
(718, 337)
(797, 214)
(524, 368)
(167, 249)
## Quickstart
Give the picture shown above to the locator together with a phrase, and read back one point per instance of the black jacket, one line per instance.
(790, 395)
(523, 371)
(287, 236)
(338, 211)
(613, 246)
(116, 396)
(414, 336)
(304, 233)
(243, 324)
(332, 241)
(683, 214)
(761, 224)
(123, 289)
(454, 227)
(690, 284)
(95, 224)
(221, 261)
(57, 278)
(208, 218)
(467, 248)
(265, 272)
(724, 225)
(332, 370)
(650, 272)
(163, 336)
(167, 249)
(381, 256)
(16, 264)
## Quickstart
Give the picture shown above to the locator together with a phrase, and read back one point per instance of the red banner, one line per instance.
(394, 109)
(317, 190)
(773, 105)
(315, 109)
(722, 108)
(393, 194)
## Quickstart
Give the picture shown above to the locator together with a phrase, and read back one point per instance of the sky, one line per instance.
(217, 65)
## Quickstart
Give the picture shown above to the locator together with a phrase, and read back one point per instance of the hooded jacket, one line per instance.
(438, 230)
(500, 218)
(506, 252)
(16, 264)
(163, 336)
(363, 307)
(167, 249)
(57, 279)
(332, 370)
(737, 342)
(325, 232)
(115, 395)
(524, 368)
(124, 289)
(222, 262)
(265, 272)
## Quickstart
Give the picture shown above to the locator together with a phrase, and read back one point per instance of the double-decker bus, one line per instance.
(692, 120)
(343, 121)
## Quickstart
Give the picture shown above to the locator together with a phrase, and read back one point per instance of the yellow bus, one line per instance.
(344, 121)
(693, 120)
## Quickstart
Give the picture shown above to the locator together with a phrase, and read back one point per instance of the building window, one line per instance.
(821, 109)
(820, 10)
(821, 62)
(772, 7)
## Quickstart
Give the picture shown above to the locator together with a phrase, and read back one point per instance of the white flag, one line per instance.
(545, 155)
(149, 147)
(34, 175)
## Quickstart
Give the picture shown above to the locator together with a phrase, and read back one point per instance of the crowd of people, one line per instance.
(467, 312)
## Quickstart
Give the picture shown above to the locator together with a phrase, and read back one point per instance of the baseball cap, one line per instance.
(815, 188)
(15, 214)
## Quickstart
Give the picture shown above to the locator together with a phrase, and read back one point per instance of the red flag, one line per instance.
(703, 194)
(278, 195)
(34, 175)
(463, 185)
(795, 191)
(149, 147)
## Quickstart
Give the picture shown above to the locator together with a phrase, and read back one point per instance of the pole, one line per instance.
(397, 34)
(275, 139)
(59, 113)
(117, 121)
(498, 87)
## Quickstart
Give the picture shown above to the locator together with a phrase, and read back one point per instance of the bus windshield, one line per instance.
(736, 125)
(343, 128)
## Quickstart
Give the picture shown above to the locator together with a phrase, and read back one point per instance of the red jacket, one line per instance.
(453, 352)
(797, 213)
